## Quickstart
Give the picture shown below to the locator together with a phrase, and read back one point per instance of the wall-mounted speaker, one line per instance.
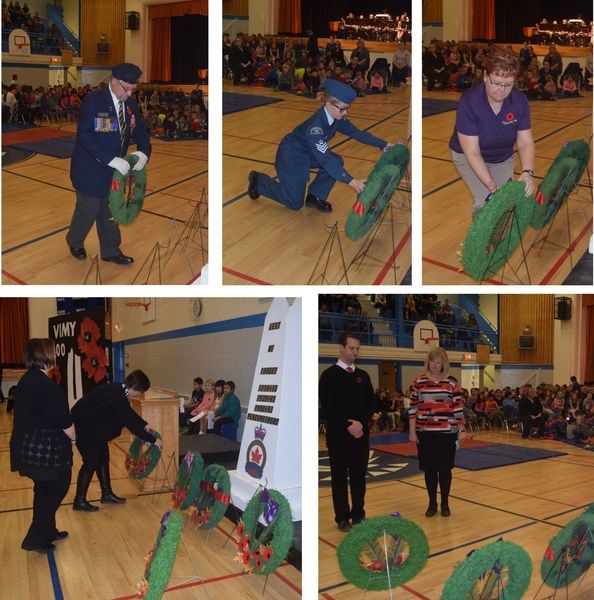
(133, 20)
(563, 308)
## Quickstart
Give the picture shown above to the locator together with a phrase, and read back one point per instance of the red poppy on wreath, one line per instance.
(266, 552)
(510, 116)
(240, 529)
(358, 380)
(55, 374)
(95, 363)
(89, 335)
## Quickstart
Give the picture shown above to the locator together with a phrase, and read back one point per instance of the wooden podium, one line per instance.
(160, 409)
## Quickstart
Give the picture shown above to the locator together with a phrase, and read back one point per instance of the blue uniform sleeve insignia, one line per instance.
(322, 146)
(316, 131)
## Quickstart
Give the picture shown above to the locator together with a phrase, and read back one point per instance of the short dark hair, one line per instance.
(347, 334)
(219, 383)
(198, 380)
(138, 381)
(40, 353)
(231, 384)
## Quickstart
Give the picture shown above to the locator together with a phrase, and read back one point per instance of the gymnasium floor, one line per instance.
(168, 240)
(526, 503)
(266, 243)
(104, 556)
(447, 201)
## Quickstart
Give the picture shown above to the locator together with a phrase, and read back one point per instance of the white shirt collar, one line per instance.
(344, 366)
(114, 98)
(328, 116)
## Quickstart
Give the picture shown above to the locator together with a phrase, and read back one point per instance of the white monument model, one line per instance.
(270, 454)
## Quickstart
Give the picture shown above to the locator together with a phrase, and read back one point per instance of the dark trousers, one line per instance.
(348, 468)
(89, 210)
(47, 496)
(218, 424)
(528, 422)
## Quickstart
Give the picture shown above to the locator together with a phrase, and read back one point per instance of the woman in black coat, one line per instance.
(41, 442)
(99, 417)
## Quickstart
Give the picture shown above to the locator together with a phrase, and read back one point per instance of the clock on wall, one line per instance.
(196, 307)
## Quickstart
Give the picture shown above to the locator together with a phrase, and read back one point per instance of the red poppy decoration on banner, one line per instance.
(95, 364)
(89, 335)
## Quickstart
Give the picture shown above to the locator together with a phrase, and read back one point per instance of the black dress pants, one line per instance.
(47, 497)
(348, 468)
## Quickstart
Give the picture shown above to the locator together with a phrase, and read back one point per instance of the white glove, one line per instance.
(123, 166)
(142, 160)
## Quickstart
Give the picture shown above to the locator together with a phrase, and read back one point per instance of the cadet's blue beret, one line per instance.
(341, 91)
(127, 72)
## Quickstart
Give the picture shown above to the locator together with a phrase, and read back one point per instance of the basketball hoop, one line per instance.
(430, 340)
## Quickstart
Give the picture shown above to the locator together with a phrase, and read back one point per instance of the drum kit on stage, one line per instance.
(568, 32)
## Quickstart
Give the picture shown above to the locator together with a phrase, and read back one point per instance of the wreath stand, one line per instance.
(511, 221)
(94, 265)
(322, 279)
(561, 563)
(153, 255)
(194, 227)
(543, 239)
(153, 476)
(386, 558)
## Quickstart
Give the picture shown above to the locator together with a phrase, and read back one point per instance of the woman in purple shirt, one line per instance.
(491, 118)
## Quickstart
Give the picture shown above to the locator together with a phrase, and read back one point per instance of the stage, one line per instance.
(213, 448)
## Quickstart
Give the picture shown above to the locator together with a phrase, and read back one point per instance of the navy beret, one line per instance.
(127, 72)
(341, 91)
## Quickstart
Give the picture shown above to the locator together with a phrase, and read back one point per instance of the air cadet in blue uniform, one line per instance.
(306, 147)
(101, 142)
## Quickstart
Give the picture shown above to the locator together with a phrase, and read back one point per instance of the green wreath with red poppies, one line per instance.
(383, 552)
(213, 499)
(126, 192)
(187, 484)
(571, 552)
(561, 179)
(140, 463)
(379, 189)
(263, 548)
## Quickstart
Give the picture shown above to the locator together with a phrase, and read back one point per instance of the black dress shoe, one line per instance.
(78, 253)
(431, 510)
(111, 498)
(253, 185)
(82, 504)
(60, 535)
(344, 526)
(43, 549)
(120, 259)
(315, 202)
(445, 511)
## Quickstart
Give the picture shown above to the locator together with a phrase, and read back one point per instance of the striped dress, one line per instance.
(436, 405)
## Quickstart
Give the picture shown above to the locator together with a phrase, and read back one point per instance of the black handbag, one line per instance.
(46, 448)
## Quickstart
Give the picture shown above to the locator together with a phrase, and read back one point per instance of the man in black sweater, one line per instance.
(531, 412)
(347, 403)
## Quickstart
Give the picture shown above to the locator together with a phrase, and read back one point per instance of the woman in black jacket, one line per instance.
(100, 416)
(41, 442)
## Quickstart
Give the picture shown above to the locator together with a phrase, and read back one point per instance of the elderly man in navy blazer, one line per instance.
(108, 119)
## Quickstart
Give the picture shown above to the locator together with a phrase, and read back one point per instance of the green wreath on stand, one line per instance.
(383, 552)
(571, 552)
(561, 179)
(263, 552)
(495, 234)
(125, 207)
(187, 484)
(501, 568)
(379, 189)
(211, 504)
(140, 465)
(159, 562)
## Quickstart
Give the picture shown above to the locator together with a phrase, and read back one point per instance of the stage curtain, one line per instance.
(483, 19)
(589, 370)
(14, 329)
(160, 69)
(289, 16)
(178, 9)
(189, 47)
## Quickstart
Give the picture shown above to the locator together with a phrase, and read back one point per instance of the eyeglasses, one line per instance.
(341, 109)
(504, 86)
(128, 91)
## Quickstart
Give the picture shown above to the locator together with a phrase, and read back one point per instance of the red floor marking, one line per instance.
(244, 276)
(327, 543)
(456, 270)
(566, 253)
(34, 134)
(14, 278)
(287, 582)
(392, 258)
(414, 593)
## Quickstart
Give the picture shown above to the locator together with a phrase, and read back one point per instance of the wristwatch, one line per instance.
(529, 171)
